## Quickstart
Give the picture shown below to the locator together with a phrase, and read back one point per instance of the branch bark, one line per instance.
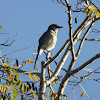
(76, 35)
(85, 64)
(42, 83)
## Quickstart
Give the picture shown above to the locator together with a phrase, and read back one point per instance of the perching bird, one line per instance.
(48, 40)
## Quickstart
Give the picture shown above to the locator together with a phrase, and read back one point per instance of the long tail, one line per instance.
(37, 59)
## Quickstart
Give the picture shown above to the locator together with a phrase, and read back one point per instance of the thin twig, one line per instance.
(90, 39)
(82, 41)
(85, 64)
(4, 44)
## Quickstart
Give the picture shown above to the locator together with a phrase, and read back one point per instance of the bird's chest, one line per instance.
(53, 37)
(50, 44)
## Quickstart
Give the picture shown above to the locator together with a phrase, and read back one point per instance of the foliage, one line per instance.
(13, 87)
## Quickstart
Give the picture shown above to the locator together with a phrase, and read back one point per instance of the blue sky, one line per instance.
(30, 19)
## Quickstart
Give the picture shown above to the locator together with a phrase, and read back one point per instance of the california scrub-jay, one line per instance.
(48, 40)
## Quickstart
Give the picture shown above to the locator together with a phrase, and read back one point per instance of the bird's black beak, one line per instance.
(59, 27)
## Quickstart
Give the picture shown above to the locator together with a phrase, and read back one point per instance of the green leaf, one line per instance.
(14, 93)
(18, 81)
(20, 86)
(7, 82)
(24, 88)
(16, 74)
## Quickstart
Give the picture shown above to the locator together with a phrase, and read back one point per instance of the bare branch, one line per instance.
(85, 64)
(95, 30)
(80, 46)
(90, 39)
(70, 31)
(25, 72)
(97, 80)
(73, 60)
(71, 37)
(14, 51)
(42, 83)
(4, 44)
(77, 33)
(87, 76)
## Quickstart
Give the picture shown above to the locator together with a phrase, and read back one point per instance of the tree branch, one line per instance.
(90, 39)
(42, 83)
(80, 46)
(67, 51)
(4, 44)
(85, 64)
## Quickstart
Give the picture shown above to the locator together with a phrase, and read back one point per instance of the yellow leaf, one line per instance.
(54, 95)
(5, 64)
(1, 27)
(17, 65)
(65, 96)
(36, 77)
(55, 83)
(29, 60)
(34, 94)
(82, 94)
(31, 77)
(31, 91)
(11, 77)
(8, 87)
(93, 9)
(89, 71)
(26, 60)
(3, 88)
(98, 14)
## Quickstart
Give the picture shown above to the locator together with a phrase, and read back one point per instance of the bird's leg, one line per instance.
(48, 57)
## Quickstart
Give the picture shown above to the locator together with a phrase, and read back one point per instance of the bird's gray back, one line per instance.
(48, 40)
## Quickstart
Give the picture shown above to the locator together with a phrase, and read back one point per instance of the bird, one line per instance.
(47, 41)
